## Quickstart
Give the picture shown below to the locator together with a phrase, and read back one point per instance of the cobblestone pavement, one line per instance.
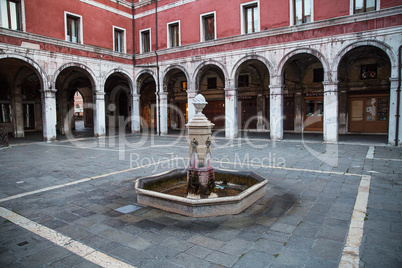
(73, 204)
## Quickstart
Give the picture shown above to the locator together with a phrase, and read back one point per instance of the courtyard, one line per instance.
(72, 203)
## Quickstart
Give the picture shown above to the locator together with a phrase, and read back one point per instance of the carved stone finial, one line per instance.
(199, 103)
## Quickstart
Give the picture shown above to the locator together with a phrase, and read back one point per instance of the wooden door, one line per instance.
(368, 114)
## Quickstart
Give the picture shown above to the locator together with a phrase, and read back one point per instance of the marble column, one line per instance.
(231, 125)
(49, 114)
(163, 109)
(18, 113)
(330, 112)
(276, 111)
(135, 114)
(99, 114)
(190, 107)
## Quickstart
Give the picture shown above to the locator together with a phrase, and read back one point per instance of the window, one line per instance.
(5, 113)
(208, 27)
(73, 28)
(361, 6)
(368, 71)
(303, 10)
(243, 80)
(184, 85)
(10, 14)
(119, 40)
(318, 75)
(145, 41)
(250, 17)
(211, 83)
(173, 34)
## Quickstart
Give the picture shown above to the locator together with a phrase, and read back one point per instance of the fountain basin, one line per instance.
(152, 191)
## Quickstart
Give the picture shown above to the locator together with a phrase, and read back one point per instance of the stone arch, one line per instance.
(181, 68)
(199, 69)
(324, 62)
(374, 43)
(90, 73)
(38, 69)
(264, 60)
(138, 79)
(172, 67)
(125, 74)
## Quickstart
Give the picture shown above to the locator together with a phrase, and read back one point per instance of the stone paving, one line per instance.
(84, 190)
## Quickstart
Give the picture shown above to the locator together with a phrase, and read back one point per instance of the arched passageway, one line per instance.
(211, 83)
(303, 96)
(175, 84)
(252, 80)
(364, 89)
(69, 81)
(20, 97)
(117, 101)
(148, 109)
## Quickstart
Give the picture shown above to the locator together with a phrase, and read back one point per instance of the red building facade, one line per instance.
(266, 65)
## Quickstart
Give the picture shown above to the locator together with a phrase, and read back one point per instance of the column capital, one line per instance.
(330, 87)
(135, 95)
(276, 89)
(329, 83)
(393, 80)
(48, 90)
(163, 95)
(99, 95)
(230, 92)
(191, 93)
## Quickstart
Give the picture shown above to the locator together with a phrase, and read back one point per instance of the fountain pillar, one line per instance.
(200, 174)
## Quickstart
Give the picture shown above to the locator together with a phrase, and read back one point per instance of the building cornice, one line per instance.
(280, 31)
(111, 9)
(42, 40)
(160, 9)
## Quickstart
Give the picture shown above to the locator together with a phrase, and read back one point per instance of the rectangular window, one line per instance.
(243, 80)
(174, 34)
(73, 28)
(10, 14)
(302, 11)
(119, 40)
(251, 18)
(208, 27)
(318, 75)
(368, 71)
(145, 41)
(184, 85)
(361, 6)
(211, 83)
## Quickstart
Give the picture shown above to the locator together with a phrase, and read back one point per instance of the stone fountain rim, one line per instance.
(201, 202)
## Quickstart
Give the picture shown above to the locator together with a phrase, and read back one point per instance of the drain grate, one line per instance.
(23, 243)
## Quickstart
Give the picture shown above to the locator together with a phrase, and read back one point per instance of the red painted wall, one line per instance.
(97, 23)
(390, 3)
(326, 9)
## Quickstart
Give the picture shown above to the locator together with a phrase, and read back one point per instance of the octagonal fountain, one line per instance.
(200, 190)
